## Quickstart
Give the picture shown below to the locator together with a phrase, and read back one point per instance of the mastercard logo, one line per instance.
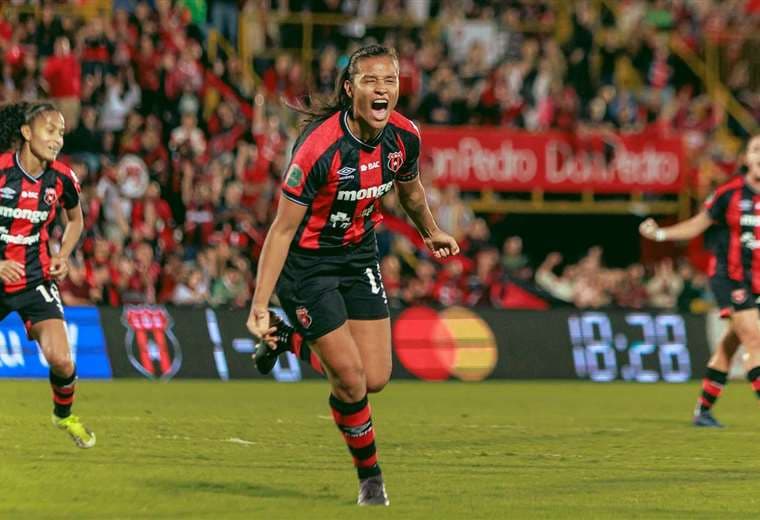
(435, 346)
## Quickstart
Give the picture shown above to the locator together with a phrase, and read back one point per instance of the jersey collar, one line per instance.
(28, 175)
(369, 146)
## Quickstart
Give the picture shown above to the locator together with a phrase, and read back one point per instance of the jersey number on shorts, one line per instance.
(372, 282)
(51, 296)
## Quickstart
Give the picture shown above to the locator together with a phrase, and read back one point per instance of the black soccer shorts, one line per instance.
(42, 302)
(731, 295)
(319, 291)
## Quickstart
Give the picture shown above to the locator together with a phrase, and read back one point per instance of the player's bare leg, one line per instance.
(745, 324)
(715, 379)
(373, 339)
(342, 361)
(52, 338)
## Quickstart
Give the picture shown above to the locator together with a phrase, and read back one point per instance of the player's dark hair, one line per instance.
(13, 117)
(321, 109)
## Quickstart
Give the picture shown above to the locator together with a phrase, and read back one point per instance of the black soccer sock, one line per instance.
(754, 379)
(354, 420)
(63, 393)
(712, 385)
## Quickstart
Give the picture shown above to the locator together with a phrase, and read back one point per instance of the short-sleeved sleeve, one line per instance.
(717, 204)
(410, 168)
(303, 178)
(71, 190)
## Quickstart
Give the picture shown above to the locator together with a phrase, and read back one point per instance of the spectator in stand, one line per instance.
(230, 289)
(665, 286)
(191, 289)
(513, 261)
(560, 287)
(188, 138)
(62, 75)
(118, 103)
(630, 290)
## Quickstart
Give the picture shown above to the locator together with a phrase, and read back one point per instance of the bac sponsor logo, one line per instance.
(369, 166)
(366, 193)
(395, 160)
(33, 216)
(30, 195)
(151, 345)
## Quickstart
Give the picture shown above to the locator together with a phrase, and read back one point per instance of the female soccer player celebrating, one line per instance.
(733, 211)
(32, 186)
(322, 244)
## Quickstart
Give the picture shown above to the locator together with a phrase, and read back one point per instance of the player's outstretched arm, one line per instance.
(411, 194)
(685, 230)
(273, 255)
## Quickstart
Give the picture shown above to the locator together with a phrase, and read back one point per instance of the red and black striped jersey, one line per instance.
(735, 238)
(341, 179)
(28, 207)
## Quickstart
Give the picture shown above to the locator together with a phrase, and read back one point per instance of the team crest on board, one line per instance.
(395, 160)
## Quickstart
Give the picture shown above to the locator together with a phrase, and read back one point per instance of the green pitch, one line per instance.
(492, 450)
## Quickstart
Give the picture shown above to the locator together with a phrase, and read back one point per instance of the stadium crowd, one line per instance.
(179, 153)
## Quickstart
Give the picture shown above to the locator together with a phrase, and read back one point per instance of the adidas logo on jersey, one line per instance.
(372, 192)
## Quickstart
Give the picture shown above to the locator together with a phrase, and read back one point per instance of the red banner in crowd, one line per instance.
(480, 157)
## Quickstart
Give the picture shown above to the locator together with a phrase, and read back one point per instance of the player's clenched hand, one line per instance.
(648, 229)
(59, 267)
(258, 325)
(10, 271)
(442, 244)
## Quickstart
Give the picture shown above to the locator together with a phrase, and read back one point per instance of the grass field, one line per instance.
(490, 450)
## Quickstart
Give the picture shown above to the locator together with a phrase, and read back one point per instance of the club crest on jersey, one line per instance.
(739, 296)
(303, 316)
(50, 196)
(395, 160)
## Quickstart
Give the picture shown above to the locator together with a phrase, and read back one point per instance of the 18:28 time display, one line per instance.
(645, 347)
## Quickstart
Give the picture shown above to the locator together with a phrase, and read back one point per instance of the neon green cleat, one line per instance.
(82, 437)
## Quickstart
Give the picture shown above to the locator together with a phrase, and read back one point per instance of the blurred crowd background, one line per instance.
(178, 132)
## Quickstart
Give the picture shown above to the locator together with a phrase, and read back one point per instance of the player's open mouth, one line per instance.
(380, 109)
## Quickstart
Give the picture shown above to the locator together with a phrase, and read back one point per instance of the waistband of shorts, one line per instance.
(368, 243)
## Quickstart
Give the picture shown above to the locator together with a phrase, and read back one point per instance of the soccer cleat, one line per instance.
(82, 437)
(372, 492)
(705, 420)
(266, 356)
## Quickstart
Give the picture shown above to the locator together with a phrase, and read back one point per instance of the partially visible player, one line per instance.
(321, 250)
(32, 187)
(730, 215)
